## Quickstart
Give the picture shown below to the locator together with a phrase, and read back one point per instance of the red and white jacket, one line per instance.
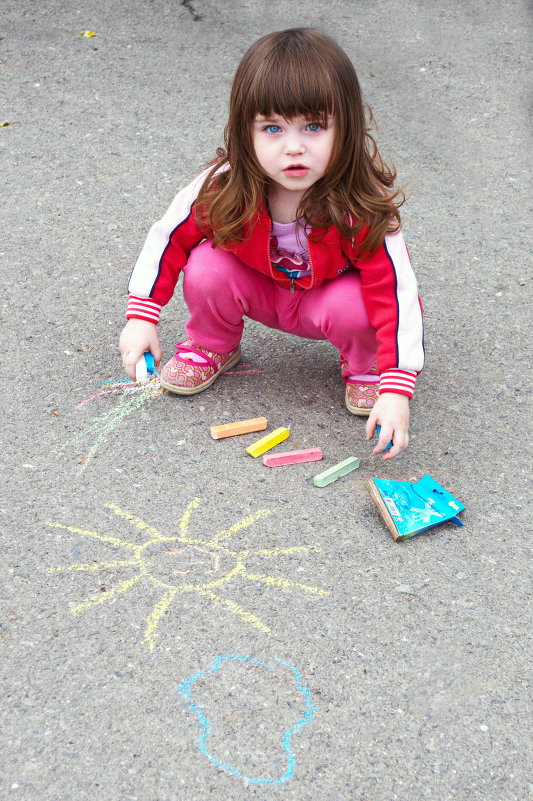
(388, 282)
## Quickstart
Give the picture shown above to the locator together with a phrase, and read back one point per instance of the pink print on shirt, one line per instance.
(286, 252)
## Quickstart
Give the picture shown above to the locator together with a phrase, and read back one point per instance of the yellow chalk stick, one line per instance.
(267, 442)
(242, 427)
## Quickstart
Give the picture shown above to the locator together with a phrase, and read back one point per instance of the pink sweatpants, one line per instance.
(220, 290)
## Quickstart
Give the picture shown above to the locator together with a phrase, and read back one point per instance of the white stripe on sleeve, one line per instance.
(410, 330)
(146, 269)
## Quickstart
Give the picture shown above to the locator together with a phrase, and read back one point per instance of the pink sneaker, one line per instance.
(193, 369)
(362, 391)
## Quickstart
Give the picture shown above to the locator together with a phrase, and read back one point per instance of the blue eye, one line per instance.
(314, 127)
(273, 128)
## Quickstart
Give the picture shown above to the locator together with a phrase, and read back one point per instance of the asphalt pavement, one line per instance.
(178, 620)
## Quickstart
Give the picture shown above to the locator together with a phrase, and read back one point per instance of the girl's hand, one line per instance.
(137, 337)
(391, 412)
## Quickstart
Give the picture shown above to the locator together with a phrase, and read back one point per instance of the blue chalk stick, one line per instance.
(150, 363)
(378, 430)
(145, 367)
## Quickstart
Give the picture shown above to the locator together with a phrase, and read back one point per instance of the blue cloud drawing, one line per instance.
(207, 728)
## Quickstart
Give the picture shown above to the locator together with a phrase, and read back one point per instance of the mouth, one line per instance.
(296, 170)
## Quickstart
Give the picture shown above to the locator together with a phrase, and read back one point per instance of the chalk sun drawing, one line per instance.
(161, 558)
(208, 730)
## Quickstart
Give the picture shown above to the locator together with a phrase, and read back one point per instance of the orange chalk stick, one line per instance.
(292, 457)
(242, 427)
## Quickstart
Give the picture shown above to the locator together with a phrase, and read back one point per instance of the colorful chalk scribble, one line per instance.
(134, 395)
(210, 565)
(208, 729)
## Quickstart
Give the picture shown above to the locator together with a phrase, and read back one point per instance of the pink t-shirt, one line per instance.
(288, 249)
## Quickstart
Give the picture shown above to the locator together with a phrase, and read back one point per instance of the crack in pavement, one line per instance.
(192, 11)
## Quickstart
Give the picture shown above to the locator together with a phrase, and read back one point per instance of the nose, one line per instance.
(294, 145)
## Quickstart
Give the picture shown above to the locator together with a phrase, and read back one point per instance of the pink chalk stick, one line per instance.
(292, 457)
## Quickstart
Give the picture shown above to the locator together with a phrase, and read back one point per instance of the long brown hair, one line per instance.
(300, 72)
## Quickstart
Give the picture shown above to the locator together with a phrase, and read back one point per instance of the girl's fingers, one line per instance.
(400, 443)
(158, 355)
(390, 454)
(370, 426)
(130, 371)
(130, 362)
(383, 441)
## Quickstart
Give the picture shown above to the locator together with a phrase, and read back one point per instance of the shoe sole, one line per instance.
(359, 412)
(194, 390)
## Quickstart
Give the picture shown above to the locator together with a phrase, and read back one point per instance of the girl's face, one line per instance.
(293, 153)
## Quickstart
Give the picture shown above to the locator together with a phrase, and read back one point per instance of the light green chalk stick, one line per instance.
(335, 472)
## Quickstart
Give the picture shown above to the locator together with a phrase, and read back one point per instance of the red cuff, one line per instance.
(400, 381)
(143, 309)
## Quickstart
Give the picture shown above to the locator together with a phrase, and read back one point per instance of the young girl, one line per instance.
(295, 225)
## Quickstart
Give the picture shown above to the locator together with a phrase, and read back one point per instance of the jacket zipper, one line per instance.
(269, 262)
(271, 269)
(311, 265)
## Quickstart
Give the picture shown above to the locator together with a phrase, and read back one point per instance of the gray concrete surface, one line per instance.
(415, 656)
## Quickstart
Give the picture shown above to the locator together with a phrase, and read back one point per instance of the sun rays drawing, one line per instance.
(178, 564)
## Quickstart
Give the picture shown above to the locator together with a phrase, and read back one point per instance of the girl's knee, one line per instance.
(209, 269)
(344, 305)
(204, 259)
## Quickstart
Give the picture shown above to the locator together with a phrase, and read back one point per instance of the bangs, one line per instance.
(302, 88)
